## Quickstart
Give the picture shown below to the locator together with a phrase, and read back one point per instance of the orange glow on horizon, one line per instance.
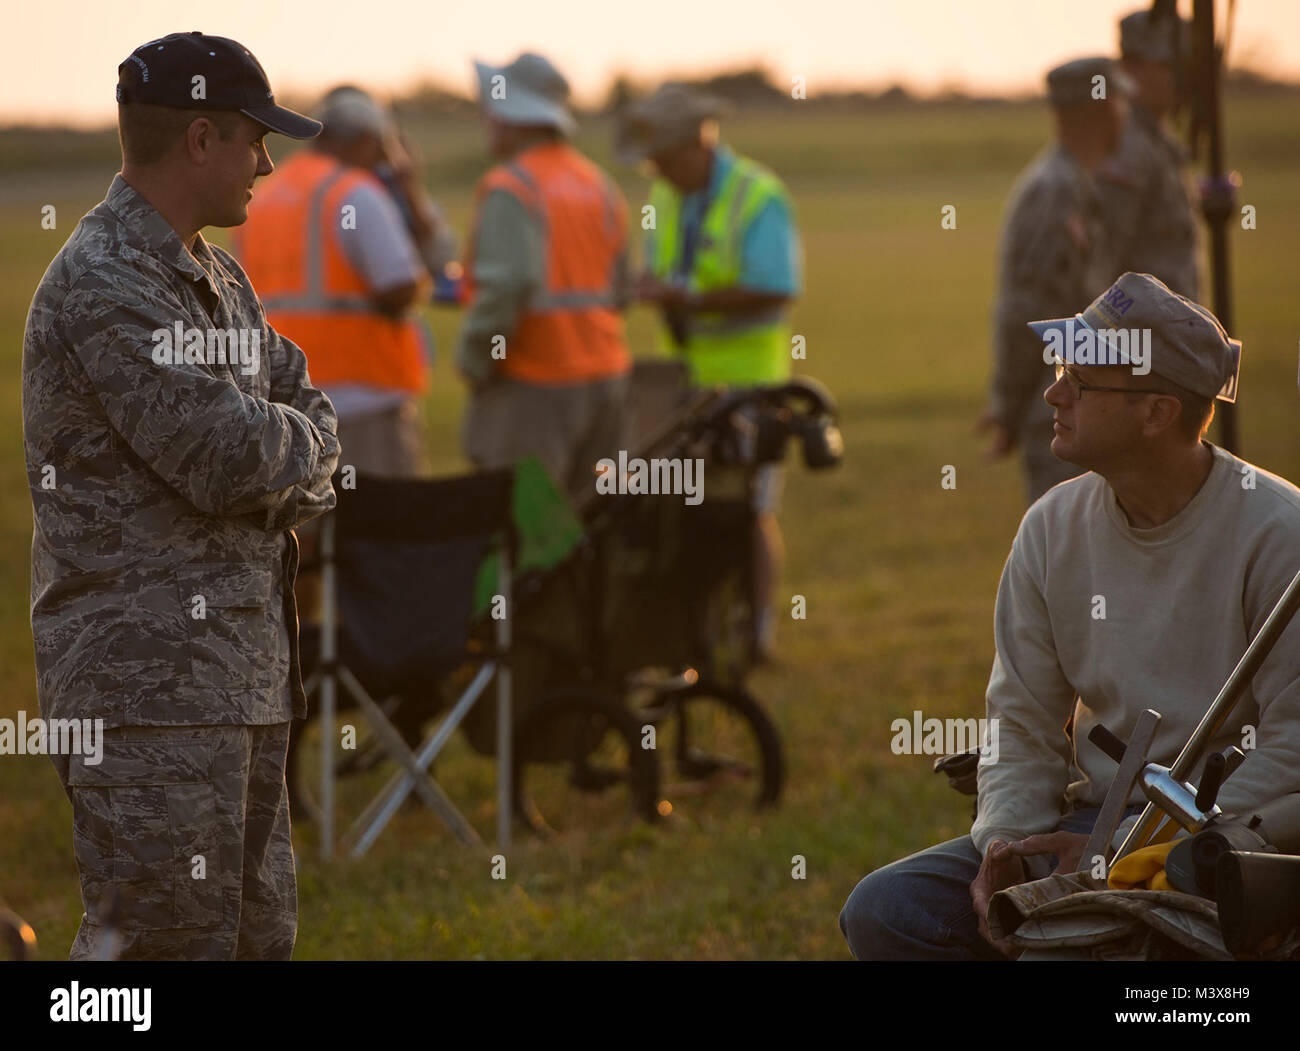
(64, 68)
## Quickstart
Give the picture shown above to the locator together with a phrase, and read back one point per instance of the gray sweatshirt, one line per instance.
(1096, 617)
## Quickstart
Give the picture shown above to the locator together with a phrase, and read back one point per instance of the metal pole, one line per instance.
(1219, 204)
(505, 728)
(400, 785)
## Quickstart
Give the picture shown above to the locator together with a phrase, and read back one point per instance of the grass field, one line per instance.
(899, 574)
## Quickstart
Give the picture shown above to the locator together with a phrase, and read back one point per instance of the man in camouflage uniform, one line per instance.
(1144, 196)
(1054, 252)
(173, 441)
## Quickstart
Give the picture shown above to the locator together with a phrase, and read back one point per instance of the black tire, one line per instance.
(561, 762)
(690, 762)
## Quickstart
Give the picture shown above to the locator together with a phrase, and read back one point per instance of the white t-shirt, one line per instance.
(383, 250)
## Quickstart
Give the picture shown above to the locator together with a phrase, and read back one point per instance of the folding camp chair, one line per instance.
(399, 559)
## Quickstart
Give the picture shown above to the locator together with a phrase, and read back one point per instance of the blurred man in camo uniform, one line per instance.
(1056, 250)
(173, 441)
(1143, 193)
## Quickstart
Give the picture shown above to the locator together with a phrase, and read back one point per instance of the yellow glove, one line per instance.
(1142, 870)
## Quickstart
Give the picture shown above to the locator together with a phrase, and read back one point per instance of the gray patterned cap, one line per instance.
(1073, 82)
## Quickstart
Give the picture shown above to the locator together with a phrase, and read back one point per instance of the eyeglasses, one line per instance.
(1077, 386)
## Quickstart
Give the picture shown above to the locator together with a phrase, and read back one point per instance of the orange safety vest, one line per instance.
(292, 251)
(570, 331)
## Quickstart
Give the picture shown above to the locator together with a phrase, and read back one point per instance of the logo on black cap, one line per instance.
(233, 79)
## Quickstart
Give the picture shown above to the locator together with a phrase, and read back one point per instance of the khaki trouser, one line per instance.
(569, 428)
(386, 444)
(181, 835)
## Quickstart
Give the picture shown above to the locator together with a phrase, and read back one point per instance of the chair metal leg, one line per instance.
(505, 725)
(424, 786)
(385, 804)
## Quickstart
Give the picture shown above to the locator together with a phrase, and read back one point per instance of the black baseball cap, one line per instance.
(232, 80)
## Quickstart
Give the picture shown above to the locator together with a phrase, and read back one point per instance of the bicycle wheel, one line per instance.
(578, 762)
(718, 749)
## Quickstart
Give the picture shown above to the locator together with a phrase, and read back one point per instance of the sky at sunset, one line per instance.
(62, 59)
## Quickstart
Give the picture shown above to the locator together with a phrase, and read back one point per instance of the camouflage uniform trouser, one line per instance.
(182, 841)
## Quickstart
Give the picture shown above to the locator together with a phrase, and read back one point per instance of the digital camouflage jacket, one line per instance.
(173, 441)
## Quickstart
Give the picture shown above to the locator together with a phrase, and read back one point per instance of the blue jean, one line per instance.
(920, 908)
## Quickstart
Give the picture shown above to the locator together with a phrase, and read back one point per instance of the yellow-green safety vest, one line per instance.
(723, 348)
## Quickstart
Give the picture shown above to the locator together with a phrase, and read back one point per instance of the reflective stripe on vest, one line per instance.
(313, 296)
(570, 330)
(727, 348)
(323, 306)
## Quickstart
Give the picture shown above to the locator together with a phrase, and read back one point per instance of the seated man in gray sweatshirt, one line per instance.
(1137, 585)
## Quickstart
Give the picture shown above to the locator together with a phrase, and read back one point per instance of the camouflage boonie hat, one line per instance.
(533, 92)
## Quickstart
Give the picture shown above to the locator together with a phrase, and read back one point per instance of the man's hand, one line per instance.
(649, 289)
(1003, 868)
(1067, 846)
(999, 870)
(474, 382)
(1003, 440)
(399, 156)
(404, 163)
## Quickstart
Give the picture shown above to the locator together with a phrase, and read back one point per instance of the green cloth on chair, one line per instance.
(547, 528)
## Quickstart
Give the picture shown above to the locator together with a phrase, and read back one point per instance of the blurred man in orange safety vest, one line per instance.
(546, 276)
(339, 272)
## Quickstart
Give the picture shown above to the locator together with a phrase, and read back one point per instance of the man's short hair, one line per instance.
(147, 131)
(1198, 411)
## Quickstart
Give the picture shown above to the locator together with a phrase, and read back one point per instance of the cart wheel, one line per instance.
(714, 742)
(578, 762)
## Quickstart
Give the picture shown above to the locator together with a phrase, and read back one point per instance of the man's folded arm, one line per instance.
(229, 454)
(1020, 794)
(291, 385)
